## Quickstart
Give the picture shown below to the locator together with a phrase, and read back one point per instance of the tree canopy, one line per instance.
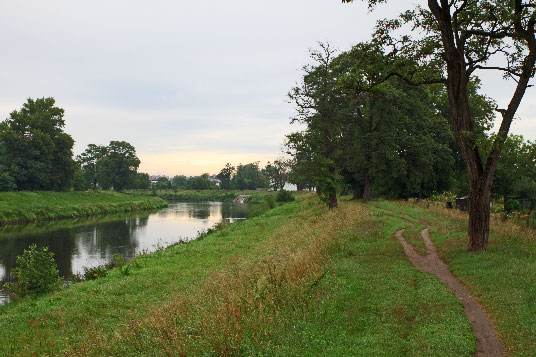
(460, 38)
(35, 152)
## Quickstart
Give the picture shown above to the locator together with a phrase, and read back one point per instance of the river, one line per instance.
(95, 240)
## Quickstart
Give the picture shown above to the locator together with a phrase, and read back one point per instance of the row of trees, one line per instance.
(112, 166)
(456, 39)
(36, 154)
(374, 132)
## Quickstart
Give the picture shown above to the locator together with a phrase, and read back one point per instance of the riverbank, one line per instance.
(297, 280)
(206, 195)
(30, 206)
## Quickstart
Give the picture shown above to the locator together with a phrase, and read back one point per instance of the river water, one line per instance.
(92, 241)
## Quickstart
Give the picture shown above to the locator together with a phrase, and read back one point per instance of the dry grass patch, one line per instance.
(244, 300)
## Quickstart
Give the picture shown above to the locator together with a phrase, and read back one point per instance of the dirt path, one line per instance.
(488, 343)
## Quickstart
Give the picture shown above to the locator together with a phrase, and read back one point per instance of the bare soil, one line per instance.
(488, 342)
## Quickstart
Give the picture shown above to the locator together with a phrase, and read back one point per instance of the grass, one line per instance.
(26, 206)
(207, 195)
(297, 280)
(503, 278)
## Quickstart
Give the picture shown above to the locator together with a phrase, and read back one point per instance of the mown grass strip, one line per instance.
(26, 206)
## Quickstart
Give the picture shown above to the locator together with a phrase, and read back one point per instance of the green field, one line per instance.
(297, 280)
(26, 206)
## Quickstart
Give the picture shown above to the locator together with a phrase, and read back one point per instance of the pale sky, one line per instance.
(191, 84)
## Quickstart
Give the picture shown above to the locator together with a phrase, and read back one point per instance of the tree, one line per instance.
(117, 168)
(463, 37)
(517, 161)
(225, 176)
(201, 183)
(277, 173)
(316, 104)
(141, 181)
(34, 150)
(179, 181)
(249, 177)
(88, 161)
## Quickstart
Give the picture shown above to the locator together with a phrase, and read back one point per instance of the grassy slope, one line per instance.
(503, 277)
(42, 205)
(207, 195)
(298, 280)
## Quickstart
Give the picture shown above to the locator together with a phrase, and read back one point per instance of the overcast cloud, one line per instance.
(192, 85)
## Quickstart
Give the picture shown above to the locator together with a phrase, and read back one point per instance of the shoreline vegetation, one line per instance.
(298, 279)
(220, 195)
(34, 206)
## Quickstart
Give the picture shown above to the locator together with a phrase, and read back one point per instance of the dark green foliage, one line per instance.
(200, 183)
(7, 183)
(113, 166)
(277, 173)
(117, 169)
(285, 196)
(36, 272)
(515, 164)
(163, 183)
(249, 177)
(271, 201)
(34, 150)
(512, 205)
(141, 181)
(179, 181)
(100, 271)
(225, 176)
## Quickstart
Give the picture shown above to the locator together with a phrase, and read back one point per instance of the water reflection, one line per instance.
(93, 241)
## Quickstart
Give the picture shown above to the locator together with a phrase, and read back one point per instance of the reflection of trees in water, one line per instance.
(235, 210)
(102, 240)
(99, 237)
(199, 210)
(106, 239)
(62, 243)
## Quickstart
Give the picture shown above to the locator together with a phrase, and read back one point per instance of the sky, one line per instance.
(191, 85)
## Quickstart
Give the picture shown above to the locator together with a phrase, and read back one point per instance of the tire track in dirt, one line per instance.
(487, 340)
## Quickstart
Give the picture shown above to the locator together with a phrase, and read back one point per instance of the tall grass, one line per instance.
(240, 303)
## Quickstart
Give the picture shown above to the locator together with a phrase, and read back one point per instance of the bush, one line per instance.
(285, 196)
(271, 202)
(512, 205)
(36, 272)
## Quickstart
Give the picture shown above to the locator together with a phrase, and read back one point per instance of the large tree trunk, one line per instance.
(367, 192)
(480, 172)
(333, 200)
(479, 214)
(356, 191)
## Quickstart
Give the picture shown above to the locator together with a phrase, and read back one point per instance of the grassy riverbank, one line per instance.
(296, 280)
(26, 206)
(206, 195)
(503, 278)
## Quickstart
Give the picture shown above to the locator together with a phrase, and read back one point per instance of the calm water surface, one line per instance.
(93, 241)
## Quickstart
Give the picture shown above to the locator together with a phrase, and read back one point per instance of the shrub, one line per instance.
(271, 202)
(284, 196)
(36, 272)
(512, 205)
(100, 271)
